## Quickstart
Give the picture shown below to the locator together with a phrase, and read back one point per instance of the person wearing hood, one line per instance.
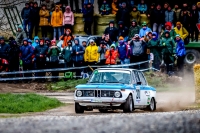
(4, 48)
(26, 16)
(66, 37)
(170, 16)
(35, 19)
(13, 59)
(47, 42)
(123, 30)
(194, 16)
(26, 57)
(44, 20)
(112, 31)
(56, 22)
(77, 55)
(123, 15)
(168, 27)
(67, 55)
(114, 7)
(153, 46)
(36, 41)
(168, 50)
(124, 51)
(91, 55)
(180, 54)
(102, 51)
(177, 11)
(135, 15)
(111, 55)
(20, 35)
(134, 29)
(142, 7)
(138, 52)
(40, 55)
(105, 8)
(179, 29)
(68, 18)
(53, 53)
(145, 29)
(88, 19)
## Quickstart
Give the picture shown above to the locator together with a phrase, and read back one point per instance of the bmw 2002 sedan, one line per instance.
(115, 89)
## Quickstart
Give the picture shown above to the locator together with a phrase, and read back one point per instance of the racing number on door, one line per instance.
(137, 93)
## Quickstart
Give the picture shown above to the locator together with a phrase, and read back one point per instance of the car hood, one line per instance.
(103, 86)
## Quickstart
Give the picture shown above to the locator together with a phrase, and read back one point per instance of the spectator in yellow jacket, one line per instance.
(44, 20)
(179, 29)
(114, 7)
(91, 55)
(56, 21)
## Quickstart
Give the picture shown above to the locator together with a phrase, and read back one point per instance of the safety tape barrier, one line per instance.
(73, 68)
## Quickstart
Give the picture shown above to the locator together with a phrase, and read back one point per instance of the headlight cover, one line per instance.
(117, 94)
(79, 93)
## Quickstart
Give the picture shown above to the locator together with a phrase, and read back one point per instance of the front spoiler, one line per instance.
(103, 101)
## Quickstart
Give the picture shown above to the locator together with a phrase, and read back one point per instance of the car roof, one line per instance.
(122, 69)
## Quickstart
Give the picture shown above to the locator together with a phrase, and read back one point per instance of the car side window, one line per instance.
(142, 79)
(136, 76)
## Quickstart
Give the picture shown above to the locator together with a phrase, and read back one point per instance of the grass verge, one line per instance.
(68, 85)
(23, 103)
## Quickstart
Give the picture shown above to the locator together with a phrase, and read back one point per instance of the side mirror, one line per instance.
(139, 83)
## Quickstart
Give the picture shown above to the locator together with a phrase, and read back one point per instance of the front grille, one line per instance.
(98, 93)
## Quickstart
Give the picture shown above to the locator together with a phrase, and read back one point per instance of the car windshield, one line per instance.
(110, 77)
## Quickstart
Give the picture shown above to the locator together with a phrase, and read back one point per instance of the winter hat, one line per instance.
(136, 35)
(154, 34)
(1, 38)
(198, 3)
(120, 22)
(121, 38)
(53, 41)
(42, 40)
(91, 40)
(20, 27)
(113, 45)
(111, 22)
(26, 4)
(29, 41)
(178, 36)
(144, 23)
(168, 24)
(166, 32)
(178, 23)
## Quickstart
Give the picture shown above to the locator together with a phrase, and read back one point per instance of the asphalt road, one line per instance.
(165, 122)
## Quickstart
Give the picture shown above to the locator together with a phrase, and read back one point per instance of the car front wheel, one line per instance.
(128, 105)
(152, 105)
(78, 108)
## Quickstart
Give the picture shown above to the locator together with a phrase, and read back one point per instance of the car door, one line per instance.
(144, 89)
(138, 88)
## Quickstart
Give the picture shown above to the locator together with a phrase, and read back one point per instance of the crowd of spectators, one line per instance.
(130, 41)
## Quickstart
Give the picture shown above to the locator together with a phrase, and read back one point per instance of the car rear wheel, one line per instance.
(191, 58)
(103, 110)
(128, 105)
(78, 108)
(152, 105)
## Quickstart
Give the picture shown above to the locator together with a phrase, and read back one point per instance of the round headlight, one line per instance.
(79, 93)
(117, 94)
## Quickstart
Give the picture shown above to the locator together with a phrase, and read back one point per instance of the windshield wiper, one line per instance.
(116, 82)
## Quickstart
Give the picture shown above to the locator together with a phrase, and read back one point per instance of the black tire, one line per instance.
(192, 56)
(152, 106)
(79, 109)
(103, 110)
(128, 105)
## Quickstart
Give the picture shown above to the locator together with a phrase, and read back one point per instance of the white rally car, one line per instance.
(115, 88)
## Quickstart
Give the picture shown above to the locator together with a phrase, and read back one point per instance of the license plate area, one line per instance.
(96, 101)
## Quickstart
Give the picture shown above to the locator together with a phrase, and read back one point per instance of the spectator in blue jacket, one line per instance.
(180, 54)
(77, 55)
(36, 41)
(142, 7)
(26, 16)
(105, 8)
(144, 30)
(26, 57)
(123, 51)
